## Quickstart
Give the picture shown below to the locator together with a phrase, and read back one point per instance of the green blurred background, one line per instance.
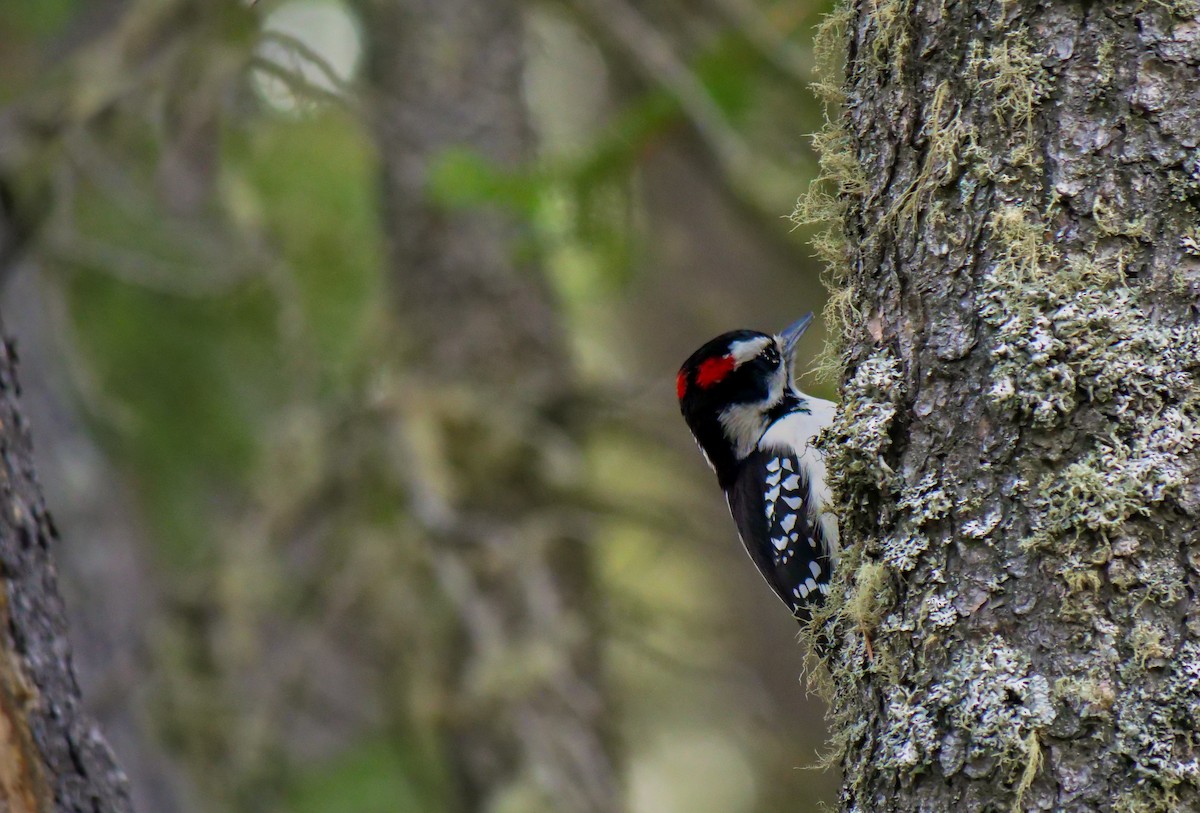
(272, 456)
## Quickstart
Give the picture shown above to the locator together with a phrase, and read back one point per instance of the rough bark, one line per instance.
(110, 576)
(52, 756)
(530, 716)
(1017, 454)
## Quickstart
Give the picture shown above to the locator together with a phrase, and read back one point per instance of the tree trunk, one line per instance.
(1017, 451)
(110, 574)
(529, 721)
(52, 758)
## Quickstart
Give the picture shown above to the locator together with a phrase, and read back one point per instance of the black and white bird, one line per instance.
(756, 430)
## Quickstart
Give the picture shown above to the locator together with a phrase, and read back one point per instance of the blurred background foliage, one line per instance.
(196, 268)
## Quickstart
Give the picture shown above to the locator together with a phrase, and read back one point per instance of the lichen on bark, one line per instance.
(1014, 188)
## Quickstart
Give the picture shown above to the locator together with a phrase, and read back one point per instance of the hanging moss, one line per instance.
(841, 178)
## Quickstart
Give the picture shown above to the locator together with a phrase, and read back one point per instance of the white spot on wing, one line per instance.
(796, 432)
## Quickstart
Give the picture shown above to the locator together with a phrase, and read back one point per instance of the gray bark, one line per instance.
(107, 581)
(52, 757)
(1017, 452)
(482, 341)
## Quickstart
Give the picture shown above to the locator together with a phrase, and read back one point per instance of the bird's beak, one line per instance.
(792, 333)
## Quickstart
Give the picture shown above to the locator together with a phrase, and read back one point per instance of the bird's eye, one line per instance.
(771, 354)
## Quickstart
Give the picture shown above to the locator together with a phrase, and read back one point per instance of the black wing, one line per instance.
(770, 503)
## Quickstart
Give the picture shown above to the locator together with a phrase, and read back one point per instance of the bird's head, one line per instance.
(733, 387)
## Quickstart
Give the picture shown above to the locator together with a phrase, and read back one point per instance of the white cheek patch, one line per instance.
(745, 423)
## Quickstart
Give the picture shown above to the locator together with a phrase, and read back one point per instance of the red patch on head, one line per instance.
(681, 384)
(713, 370)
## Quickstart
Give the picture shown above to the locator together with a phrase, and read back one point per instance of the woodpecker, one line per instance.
(755, 429)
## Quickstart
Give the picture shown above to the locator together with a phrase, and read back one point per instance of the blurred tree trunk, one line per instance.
(529, 718)
(1018, 450)
(52, 757)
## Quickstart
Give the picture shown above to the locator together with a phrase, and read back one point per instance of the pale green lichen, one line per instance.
(1156, 725)
(1114, 482)
(1080, 577)
(995, 700)
(1013, 73)
(829, 58)
(1149, 642)
(1190, 242)
(983, 526)
(938, 610)
(946, 139)
(925, 501)
(1033, 764)
(840, 180)
(1066, 330)
(1089, 697)
(892, 33)
(901, 551)
(854, 444)
(1069, 333)
(1183, 182)
(1183, 9)
(990, 705)
(1162, 580)
(860, 591)
(864, 604)
(1015, 76)
(1021, 295)
(1111, 224)
(910, 736)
